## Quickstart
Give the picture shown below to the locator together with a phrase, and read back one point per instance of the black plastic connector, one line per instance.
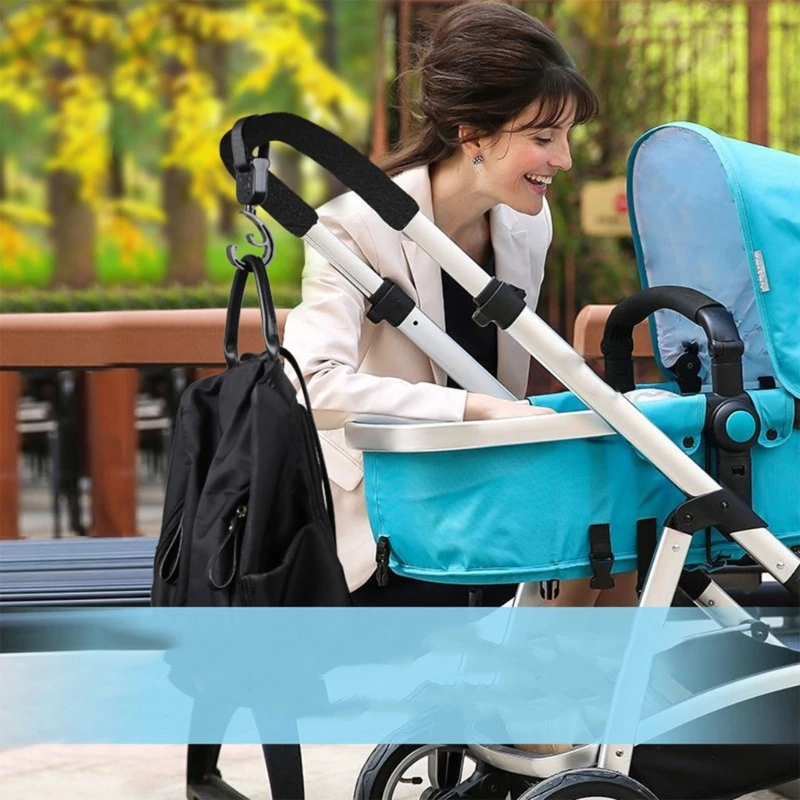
(251, 184)
(390, 303)
(499, 302)
(725, 348)
(723, 510)
(687, 369)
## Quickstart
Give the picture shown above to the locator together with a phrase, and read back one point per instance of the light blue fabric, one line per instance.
(740, 426)
(723, 217)
(522, 513)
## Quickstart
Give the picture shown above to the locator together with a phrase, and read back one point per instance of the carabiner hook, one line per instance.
(266, 243)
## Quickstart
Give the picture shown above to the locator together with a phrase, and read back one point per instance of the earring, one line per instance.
(477, 160)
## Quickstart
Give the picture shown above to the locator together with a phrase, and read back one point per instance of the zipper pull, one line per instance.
(240, 514)
(234, 528)
(382, 560)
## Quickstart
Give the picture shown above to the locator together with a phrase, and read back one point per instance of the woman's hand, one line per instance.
(483, 406)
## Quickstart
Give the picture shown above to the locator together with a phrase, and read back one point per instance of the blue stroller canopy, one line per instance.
(723, 217)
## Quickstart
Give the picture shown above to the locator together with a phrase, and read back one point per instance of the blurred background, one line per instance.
(113, 195)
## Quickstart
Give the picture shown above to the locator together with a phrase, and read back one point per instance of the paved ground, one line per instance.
(154, 772)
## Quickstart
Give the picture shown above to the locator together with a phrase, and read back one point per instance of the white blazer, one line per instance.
(353, 367)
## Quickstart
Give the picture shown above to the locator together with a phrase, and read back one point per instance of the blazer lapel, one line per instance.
(512, 257)
(512, 264)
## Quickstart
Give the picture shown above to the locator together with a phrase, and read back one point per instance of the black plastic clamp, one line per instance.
(389, 303)
(251, 173)
(499, 302)
(723, 510)
(687, 369)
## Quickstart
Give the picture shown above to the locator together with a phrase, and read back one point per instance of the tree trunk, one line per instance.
(74, 230)
(216, 57)
(185, 229)
(186, 226)
(73, 233)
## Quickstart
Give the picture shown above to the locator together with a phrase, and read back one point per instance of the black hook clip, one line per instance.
(266, 242)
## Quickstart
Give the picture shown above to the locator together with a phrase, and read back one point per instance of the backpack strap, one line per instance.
(318, 461)
(269, 325)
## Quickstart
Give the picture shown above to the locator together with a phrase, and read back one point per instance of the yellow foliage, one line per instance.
(134, 209)
(91, 23)
(194, 122)
(21, 29)
(141, 25)
(280, 43)
(27, 215)
(81, 126)
(13, 245)
(277, 36)
(130, 240)
(21, 87)
(591, 15)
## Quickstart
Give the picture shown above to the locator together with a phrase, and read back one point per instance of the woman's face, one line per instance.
(519, 164)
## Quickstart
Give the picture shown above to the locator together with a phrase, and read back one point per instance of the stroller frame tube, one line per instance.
(417, 326)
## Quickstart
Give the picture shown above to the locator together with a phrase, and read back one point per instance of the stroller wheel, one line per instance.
(427, 772)
(589, 784)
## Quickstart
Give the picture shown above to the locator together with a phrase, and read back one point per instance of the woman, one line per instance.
(498, 98)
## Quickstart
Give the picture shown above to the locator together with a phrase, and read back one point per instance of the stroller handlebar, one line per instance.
(342, 160)
(724, 343)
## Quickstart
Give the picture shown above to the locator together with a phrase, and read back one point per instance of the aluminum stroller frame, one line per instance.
(709, 504)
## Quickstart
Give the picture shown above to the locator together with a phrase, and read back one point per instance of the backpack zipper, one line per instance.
(241, 513)
(235, 528)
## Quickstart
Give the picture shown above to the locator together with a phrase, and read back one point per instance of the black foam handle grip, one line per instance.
(342, 160)
(724, 345)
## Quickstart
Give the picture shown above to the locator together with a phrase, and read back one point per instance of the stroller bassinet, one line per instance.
(568, 496)
(717, 233)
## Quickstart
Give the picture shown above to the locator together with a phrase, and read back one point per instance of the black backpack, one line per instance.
(222, 544)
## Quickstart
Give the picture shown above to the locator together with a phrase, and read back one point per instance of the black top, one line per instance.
(480, 343)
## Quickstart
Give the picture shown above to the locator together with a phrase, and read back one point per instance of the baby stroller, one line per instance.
(717, 233)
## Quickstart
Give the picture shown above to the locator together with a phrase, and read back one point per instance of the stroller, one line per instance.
(695, 474)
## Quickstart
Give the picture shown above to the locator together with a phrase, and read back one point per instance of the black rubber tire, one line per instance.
(578, 784)
(378, 768)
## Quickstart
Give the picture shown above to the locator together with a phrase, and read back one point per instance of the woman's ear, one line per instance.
(472, 146)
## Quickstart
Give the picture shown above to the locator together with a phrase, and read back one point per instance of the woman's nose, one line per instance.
(562, 158)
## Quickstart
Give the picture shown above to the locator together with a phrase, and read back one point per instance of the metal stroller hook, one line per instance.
(266, 242)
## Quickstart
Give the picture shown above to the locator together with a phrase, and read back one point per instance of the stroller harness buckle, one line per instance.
(601, 557)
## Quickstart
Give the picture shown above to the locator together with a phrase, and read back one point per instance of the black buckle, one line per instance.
(601, 556)
(549, 590)
(602, 573)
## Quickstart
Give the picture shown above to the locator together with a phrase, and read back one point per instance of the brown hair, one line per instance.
(484, 63)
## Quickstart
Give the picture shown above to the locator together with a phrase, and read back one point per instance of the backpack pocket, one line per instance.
(311, 552)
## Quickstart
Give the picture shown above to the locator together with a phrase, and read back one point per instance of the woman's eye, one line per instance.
(542, 140)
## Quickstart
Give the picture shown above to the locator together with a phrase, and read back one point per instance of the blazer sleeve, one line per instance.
(329, 332)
